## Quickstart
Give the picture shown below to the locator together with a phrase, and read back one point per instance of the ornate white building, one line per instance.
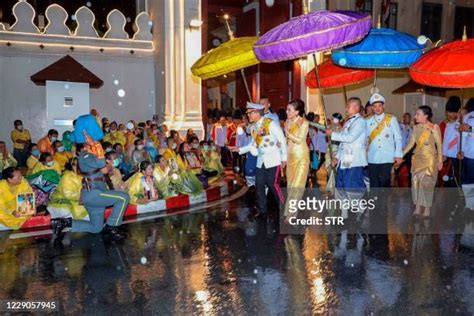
(143, 75)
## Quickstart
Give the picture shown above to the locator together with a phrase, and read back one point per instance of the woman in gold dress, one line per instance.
(427, 160)
(296, 131)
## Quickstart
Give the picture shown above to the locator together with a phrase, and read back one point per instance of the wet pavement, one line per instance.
(224, 262)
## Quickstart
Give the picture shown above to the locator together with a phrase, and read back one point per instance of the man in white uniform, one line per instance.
(269, 144)
(385, 143)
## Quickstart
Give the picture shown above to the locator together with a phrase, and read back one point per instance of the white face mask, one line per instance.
(130, 126)
(19, 127)
(174, 146)
(140, 147)
(50, 163)
(53, 139)
(194, 146)
(61, 149)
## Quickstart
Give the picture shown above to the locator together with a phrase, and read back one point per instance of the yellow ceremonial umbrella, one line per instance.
(233, 55)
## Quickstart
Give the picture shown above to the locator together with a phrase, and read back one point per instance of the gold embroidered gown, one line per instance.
(297, 167)
(428, 153)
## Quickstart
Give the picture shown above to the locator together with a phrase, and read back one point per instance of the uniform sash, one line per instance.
(379, 128)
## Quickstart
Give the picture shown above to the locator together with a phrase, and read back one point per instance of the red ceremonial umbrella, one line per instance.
(448, 66)
(333, 76)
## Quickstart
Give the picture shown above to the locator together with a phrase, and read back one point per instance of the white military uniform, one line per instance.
(353, 143)
(268, 152)
(387, 144)
(451, 140)
(271, 151)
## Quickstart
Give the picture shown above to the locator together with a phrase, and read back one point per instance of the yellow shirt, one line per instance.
(20, 135)
(8, 203)
(62, 158)
(31, 163)
(68, 194)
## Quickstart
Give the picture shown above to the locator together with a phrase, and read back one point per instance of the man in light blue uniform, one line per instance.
(385, 143)
(351, 154)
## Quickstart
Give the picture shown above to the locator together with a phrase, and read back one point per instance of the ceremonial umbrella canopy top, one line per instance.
(310, 33)
(383, 48)
(448, 66)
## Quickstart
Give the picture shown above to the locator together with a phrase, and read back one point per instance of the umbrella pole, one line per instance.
(345, 93)
(321, 91)
(460, 137)
(242, 72)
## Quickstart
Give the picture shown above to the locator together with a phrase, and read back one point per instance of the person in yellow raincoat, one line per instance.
(163, 175)
(11, 186)
(61, 156)
(185, 180)
(212, 159)
(66, 197)
(115, 136)
(142, 185)
(46, 162)
(33, 159)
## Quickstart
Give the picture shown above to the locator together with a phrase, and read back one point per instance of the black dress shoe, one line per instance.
(59, 224)
(113, 232)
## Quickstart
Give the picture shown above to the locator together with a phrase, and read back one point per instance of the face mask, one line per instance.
(19, 127)
(108, 149)
(50, 163)
(61, 149)
(194, 146)
(53, 139)
(36, 152)
(107, 130)
(130, 126)
(335, 121)
(213, 147)
(116, 162)
(205, 147)
(140, 147)
(174, 146)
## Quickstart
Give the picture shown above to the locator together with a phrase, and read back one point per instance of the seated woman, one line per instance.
(33, 158)
(61, 156)
(115, 178)
(139, 154)
(12, 185)
(65, 201)
(212, 159)
(163, 176)
(142, 185)
(185, 180)
(44, 178)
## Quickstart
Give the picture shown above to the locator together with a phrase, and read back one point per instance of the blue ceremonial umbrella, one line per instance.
(382, 49)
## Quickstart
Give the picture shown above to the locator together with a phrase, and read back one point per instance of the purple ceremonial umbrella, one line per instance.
(310, 33)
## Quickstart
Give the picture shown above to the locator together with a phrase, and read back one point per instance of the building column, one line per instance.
(177, 47)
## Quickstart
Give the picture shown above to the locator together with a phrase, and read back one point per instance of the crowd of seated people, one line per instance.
(144, 159)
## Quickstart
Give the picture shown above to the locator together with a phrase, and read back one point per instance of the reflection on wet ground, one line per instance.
(224, 262)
